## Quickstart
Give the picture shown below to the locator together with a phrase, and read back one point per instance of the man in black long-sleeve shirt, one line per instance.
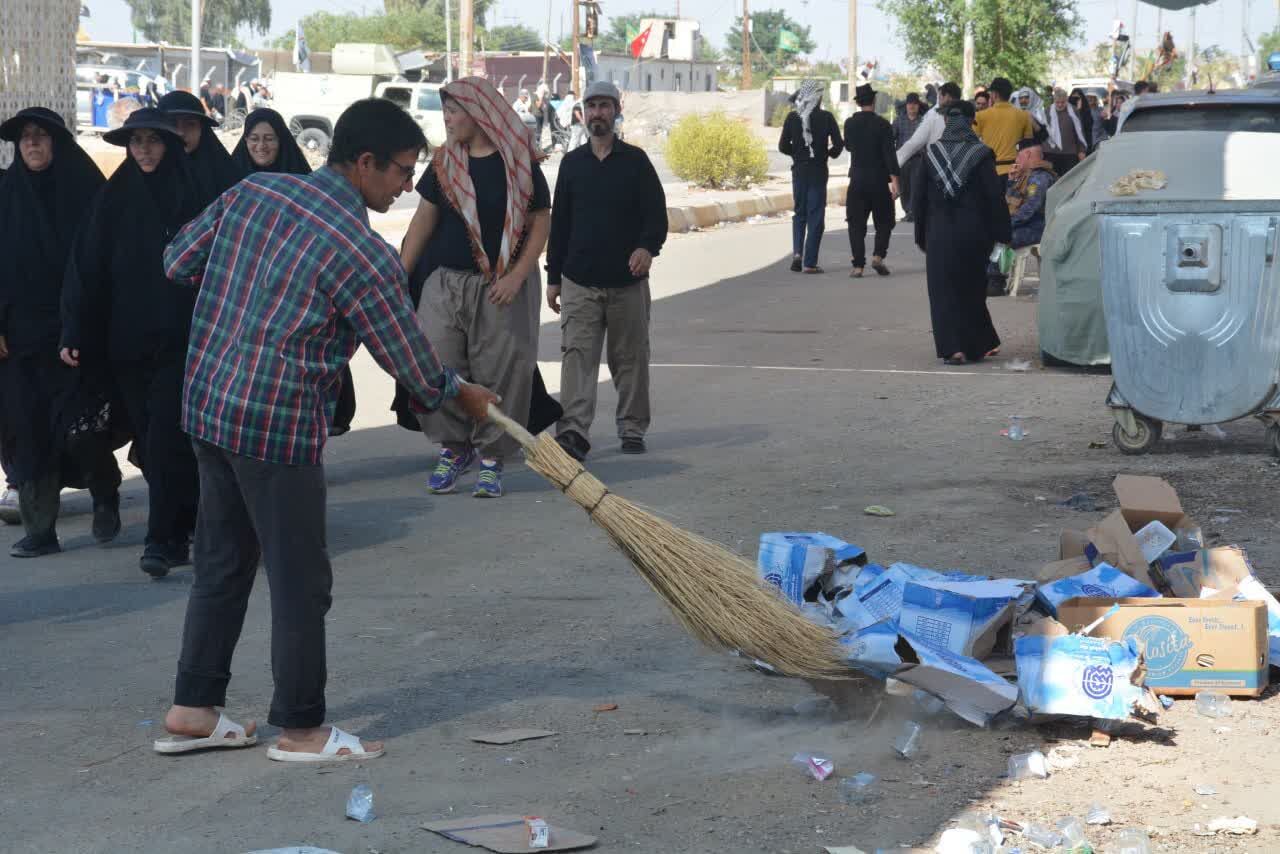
(810, 137)
(873, 181)
(608, 221)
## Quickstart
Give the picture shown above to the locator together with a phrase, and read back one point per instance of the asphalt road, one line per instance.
(781, 402)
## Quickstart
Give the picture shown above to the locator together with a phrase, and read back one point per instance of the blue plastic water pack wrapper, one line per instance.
(1068, 674)
(1102, 582)
(794, 561)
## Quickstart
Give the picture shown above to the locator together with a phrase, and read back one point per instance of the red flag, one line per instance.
(637, 46)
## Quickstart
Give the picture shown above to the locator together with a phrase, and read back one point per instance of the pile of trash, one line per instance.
(1135, 607)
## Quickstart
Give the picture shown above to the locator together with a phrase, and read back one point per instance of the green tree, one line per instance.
(1016, 39)
(766, 27)
(512, 37)
(170, 20)
(1269, 44)
(408, 25)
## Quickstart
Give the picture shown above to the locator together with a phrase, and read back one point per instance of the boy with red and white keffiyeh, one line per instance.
(483, 221)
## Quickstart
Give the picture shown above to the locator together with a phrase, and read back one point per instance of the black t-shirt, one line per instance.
(450, 245)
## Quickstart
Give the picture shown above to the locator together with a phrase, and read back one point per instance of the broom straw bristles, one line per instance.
(714, 593)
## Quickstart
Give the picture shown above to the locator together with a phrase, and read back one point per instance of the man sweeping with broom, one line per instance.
(291, 278)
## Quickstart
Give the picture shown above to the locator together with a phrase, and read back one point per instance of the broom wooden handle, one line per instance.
(516, 429)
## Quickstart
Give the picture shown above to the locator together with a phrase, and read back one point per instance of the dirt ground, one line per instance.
(782, 403)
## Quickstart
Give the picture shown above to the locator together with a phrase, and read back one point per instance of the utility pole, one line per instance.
(448, 41)
(466, 35)
(967, 78)
(853, 51)
(195, 47)
(746, 46)
(546, 44)
(1191, 57)
(577, 50)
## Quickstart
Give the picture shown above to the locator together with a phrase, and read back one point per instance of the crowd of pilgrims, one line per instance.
(93, 337)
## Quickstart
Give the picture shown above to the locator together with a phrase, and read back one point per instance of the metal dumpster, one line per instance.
(1191, 295)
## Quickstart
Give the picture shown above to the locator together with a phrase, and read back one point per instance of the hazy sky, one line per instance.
(1219, 23)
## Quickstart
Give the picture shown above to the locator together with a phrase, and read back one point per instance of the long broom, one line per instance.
(716, 594)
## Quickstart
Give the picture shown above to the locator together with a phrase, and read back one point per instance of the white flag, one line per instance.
(301, 55)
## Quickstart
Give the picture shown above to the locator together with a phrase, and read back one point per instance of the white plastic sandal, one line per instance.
(337, 740)
(227, 733)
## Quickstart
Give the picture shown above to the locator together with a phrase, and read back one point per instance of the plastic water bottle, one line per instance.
(1027, 766)
(1213, 704)
(360, 804)
(907, 745)
(1072, 831)
(1042, 835)
(1131, 840)
(1098, 814)
(859, 789)
(1016, 431)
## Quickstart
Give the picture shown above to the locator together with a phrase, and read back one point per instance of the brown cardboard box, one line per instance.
(1190, 645)
(1147, 499)
(1072, 544)
(1112, 541)
(1060, 569)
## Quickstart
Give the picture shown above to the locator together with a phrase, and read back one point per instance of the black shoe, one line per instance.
(574, 444)
(158, 558)
(796, 266)
(106, 519)
(633, 446)
(36, 546)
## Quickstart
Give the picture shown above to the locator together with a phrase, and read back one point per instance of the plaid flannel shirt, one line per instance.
(292, 279)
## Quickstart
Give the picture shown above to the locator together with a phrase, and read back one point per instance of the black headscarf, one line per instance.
(118, 301)
(290, 160)
(40, 213)
(213, 172)
(958, 152)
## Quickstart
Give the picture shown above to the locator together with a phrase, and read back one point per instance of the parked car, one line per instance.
(312, 103)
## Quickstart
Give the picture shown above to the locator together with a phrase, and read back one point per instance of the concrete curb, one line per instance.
(683, 218)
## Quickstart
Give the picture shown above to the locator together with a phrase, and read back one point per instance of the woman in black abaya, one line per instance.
(267, 146)
(960, 214)
(120, 310)
(212, 170)
(43, 199)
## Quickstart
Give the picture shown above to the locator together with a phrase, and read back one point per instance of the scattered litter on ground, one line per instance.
(859, 789)
(1238, 826)
(1015, 431)
(1097, 446)
(1028, 766)
(817, 767)
(1213, 704)
(878, 510)
(1205, 789)
(907, 744)
(634, 732)
(297, 849)
(148, 722)
(511, 736)
(360, 804)
(605, 707)
(1019, 365)
(539, 833)
(1081, 501)
(1064, 757)
(505, 834)
(1132, 840)
(1098, 815)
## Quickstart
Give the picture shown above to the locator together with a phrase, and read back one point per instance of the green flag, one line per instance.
(788, 41)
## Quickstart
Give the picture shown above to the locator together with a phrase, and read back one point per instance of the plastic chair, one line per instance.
(1020, 257)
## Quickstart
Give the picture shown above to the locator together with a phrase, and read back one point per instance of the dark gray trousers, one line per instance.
(251, 509)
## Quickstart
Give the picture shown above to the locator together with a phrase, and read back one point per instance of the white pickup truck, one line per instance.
(312, 103)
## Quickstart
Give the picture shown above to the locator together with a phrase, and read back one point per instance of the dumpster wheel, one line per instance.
(1142, 439)
(1273, 439)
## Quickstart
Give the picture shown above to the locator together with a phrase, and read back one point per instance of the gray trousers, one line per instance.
(250, 509)
(493, 346)
(590, 317)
